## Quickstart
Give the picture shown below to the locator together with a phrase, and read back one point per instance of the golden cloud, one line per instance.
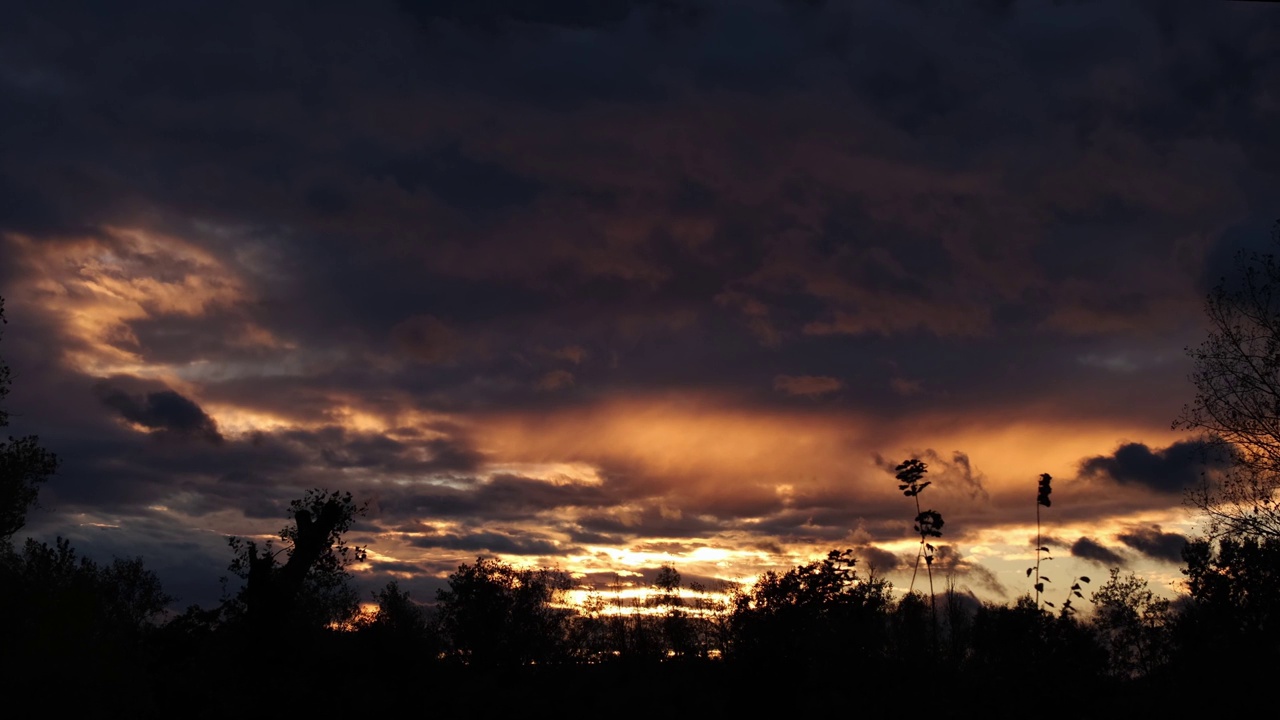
(96, 286)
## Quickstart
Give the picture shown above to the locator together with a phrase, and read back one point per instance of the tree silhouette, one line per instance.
(1132, 624)
(676, 628)
(311, 588)
(24, 465)
(1234, 585)
(496, 615)
(814, 614)
(1237, 402)
(397, 612)
(1020, 651)
(400, 630)
(69, 612)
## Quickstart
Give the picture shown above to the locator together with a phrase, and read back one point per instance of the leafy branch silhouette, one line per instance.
(1073, 592)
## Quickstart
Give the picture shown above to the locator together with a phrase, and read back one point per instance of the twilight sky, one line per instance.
(611, 283)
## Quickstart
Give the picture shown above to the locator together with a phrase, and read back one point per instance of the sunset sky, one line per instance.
(607, 284)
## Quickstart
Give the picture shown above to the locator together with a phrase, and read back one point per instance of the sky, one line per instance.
(611, 284)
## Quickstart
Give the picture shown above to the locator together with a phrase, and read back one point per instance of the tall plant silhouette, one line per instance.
(910, 475)
(1043, 492)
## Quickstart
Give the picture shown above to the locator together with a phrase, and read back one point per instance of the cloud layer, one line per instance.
(613, 284)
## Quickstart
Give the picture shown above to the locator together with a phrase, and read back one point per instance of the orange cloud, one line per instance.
(96, 286)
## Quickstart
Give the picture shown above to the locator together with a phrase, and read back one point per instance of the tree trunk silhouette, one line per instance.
(270, 591)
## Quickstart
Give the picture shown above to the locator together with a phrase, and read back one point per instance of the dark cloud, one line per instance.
(425, 338)
(480, 189)
(1155, 543)
(1090, 549)
(164, 412)
(491, 542)
(399, 566)
(873, 559)
(588, 537)
(488, 13)
(340, 448)
(507, 497)
(1173, 469)
(809, 385)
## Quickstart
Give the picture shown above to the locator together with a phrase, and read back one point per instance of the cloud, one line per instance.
(341, 448)
(164, 412)
(950, 561)
(425, 338)
(906, 388)
(575, 354)
(1170, 470)
(555, 380)
(492, 13)
(881, 561)
(1154, 543)
(1092, 550)
(522, 269)
(955, 476)
(490, 542)
(808, 385)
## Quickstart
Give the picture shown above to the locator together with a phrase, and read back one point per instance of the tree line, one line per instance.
(104, 628)
(295, 626)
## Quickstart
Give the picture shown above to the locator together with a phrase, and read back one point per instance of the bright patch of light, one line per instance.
(562, 473)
